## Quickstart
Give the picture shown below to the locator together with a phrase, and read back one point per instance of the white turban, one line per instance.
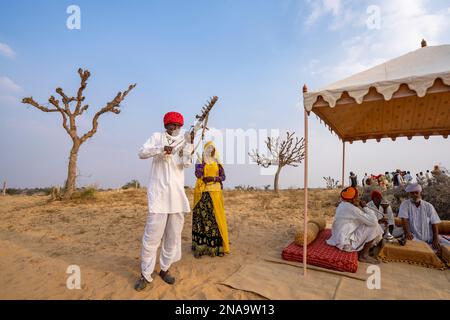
(413, 187)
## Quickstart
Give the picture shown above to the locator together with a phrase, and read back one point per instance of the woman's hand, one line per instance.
(208, 179)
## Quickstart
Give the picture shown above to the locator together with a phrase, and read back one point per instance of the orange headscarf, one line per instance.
(349, 193)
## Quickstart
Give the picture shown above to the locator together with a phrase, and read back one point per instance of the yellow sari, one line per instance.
(214, 189)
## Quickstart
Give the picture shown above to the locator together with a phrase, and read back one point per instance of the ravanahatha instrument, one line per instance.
(201, 123)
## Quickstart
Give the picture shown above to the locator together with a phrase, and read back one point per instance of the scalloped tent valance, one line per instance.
(407, 96)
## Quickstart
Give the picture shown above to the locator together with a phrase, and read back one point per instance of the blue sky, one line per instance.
(254, 55)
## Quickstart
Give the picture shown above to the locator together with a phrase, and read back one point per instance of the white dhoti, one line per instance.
(364, 234)
(166, 228)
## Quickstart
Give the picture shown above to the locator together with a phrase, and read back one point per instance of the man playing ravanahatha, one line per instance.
(419, 218)
(171, 152)
(355, 227)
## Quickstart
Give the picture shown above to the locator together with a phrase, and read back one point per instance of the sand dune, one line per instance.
(40, 239)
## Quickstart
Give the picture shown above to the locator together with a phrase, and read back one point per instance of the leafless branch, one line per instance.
(84, 76)
(112, 106)
(31, 101)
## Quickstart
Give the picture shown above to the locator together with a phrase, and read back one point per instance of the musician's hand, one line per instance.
(362, 203)
(409, 236)
(168, 150)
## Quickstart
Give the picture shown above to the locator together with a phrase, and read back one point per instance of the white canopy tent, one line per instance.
(404, 97)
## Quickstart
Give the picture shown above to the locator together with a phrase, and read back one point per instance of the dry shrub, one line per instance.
(438, 195)
(87, 193)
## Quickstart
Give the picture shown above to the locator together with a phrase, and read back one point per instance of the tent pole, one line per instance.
(343, 163)
(305, 217)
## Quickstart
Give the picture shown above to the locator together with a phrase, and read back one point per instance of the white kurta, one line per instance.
(389, 213)
(167, 201)
(353, 228)
(166, 184)
(420, 219)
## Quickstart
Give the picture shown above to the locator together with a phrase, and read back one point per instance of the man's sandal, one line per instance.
(167, 277)
(141, 283)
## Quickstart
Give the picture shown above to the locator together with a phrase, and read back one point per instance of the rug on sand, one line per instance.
(322, 255)
(283, 282)
(280, 281)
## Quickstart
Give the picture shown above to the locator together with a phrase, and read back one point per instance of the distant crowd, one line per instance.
(399, 178)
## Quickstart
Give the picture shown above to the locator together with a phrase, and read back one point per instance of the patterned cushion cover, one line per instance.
(322, 255)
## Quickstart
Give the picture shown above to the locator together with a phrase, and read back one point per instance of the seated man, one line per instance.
(383, 211)
(355, 228)
(419, 218)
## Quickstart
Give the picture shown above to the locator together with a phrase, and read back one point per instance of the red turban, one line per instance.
(375, 194)
(173, 117)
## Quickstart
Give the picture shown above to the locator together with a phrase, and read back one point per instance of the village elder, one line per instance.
(420, 219)
(383, 211)
(355, 227)
(171, 152)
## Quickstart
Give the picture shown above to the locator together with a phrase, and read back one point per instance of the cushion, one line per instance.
(321, 223)
(322, 255)
(444, 227)
(313, 231)
(414, 252)
(446, 254)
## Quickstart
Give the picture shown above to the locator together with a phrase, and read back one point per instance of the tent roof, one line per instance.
(406, 96)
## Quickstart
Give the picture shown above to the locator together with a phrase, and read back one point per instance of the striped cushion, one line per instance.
(322, 255)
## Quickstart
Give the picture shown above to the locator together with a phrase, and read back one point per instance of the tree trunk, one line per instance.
(277, 176)
(72, 171)
(4, 188)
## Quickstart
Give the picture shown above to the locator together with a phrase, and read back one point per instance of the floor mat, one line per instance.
(283, 282)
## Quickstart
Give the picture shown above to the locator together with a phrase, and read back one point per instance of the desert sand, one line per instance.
(39, 239)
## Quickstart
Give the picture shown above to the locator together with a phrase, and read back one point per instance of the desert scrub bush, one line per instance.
(133, 184)
(85, 193)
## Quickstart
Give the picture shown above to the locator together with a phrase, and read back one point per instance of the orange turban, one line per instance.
(349, 193)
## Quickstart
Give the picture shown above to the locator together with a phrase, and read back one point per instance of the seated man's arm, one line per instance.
(435, 243)
(403, 214)
(366, 216)
(435, 220)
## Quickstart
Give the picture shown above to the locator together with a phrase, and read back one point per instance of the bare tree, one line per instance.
(69, 116)
(289, 152)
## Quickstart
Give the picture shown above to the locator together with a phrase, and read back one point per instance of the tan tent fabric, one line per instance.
(404, 97)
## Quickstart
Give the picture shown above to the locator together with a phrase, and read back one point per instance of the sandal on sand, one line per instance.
(141, 283)
(167, 277)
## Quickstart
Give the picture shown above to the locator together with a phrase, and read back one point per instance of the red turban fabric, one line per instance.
(375, 194)
(349, 193)
(173, 117)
